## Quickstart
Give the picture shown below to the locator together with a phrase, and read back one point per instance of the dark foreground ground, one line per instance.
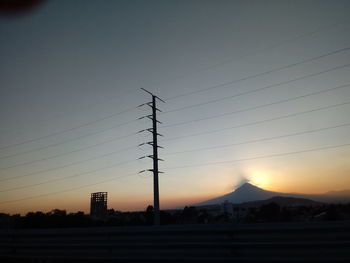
(280, 242)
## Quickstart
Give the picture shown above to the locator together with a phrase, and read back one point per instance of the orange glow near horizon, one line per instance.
(285, 177)
(259, 179)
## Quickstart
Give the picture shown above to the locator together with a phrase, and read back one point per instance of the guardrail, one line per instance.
(292, 242)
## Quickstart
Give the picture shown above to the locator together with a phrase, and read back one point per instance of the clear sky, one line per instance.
(254, 90)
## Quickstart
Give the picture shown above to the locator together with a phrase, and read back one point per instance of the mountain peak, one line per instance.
(245, 193)
(247, 187)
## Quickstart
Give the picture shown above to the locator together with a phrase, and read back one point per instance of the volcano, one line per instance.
(245, 193)
(248, 193)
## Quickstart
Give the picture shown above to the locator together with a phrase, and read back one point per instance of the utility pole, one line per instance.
(154, 156)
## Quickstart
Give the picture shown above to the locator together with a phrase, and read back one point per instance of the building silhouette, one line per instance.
(98, 205)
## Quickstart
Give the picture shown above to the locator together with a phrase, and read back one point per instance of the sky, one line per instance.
(254, 91)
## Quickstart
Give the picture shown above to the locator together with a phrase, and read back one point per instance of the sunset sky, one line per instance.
(255, 91)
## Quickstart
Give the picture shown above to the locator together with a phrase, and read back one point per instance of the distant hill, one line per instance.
(333, 197)
(248, 193)
(282, 201)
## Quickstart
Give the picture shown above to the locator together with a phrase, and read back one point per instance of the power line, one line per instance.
(260, 157)
(257, 107)
(66, 165)
(67, 177)
(300, 36)
(191, 106)
(258, 122)
(69, 152)
(258, 140)
(66, 141)
(258, 89)
(179, 167)
(181, 95)
(260, 74)
(68, 130)
(66, 190)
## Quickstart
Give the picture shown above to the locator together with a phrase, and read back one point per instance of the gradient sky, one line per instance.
(69, 67)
